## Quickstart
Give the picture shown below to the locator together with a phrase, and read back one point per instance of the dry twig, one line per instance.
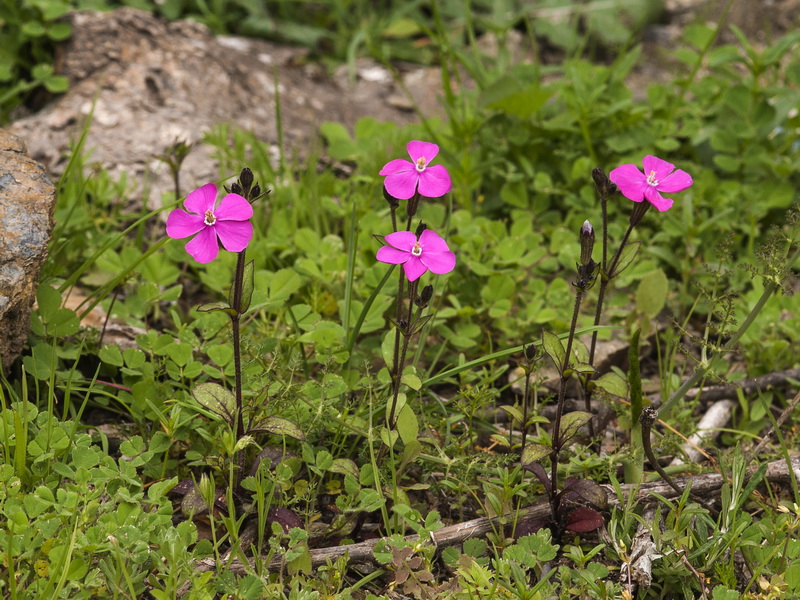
(704, 485)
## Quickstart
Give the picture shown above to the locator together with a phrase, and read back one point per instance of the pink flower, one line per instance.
(429, 252)
(658, 177)
(228, 223)
(404, 178)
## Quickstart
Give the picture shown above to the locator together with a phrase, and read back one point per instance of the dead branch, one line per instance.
(708, 429)
(748, 386)
(362, 553)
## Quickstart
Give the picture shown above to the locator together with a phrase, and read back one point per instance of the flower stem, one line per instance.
(238, 283)
(562, 393)
(608, 272)
(404, 326)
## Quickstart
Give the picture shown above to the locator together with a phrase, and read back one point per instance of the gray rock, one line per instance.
(27, 201)
(146, 82)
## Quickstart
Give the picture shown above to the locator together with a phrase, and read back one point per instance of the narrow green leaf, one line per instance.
(407, 425)
(214, 306)
(627, 256)
(554, 349)
(247, 286)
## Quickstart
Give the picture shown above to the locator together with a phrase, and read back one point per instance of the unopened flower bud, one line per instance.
(600, 179)
(393, 202)
(425, 296)
(246, 178)
(587, 242)
(255, 192)
(235, 188)
(411, 207)
(420, 228)
(532, 352)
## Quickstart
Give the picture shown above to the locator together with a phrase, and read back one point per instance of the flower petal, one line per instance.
(657, 200)
(439, 262)
(434, 182)
(204, 247)
(414, 268)
(234, 208)
(402, 240)
(630, 181)
(677, 182)
(181, 224)
(234, 235)
(398, 165)
(662, 168)
(417, 149)
(392, 256)
(201, 199)
(402, 185)
(430, 241)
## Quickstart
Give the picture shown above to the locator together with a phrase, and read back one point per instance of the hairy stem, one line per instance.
(562, 393)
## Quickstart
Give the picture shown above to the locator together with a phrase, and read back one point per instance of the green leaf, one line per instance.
(723, 593)
(344, 466)
(250, 587)
(412, 381)
(221, 354)
(651, 295)
(158, 489)
(217, 306)
(111, 355)
(280, 426)
(49, 301)
(534, 452)
(407, 425)
(571, 423)
(626, 258)
(698, 35)
(398, 406)
(180, 354)
(554, 349)
(510, 95)
(613, 384)
(216, 399)
(59, 31)
(247, 286)
(134, 358)
(283, 284)
(56, 84)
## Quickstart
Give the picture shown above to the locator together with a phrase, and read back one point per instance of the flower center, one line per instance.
(209, 219)
(422, 162)
(651, 179)
(417, 249)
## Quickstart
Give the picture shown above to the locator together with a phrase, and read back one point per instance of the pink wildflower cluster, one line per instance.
(404, 180)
